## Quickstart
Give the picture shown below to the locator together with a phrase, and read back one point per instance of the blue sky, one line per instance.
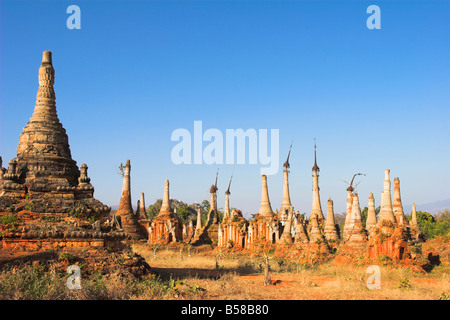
(138, 70)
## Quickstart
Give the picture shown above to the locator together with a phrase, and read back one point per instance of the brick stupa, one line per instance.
(44, 171)
(51, 198)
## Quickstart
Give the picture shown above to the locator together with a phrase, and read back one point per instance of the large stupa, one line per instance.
(43, 171)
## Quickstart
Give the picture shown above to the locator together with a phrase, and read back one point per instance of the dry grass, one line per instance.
(240, 277)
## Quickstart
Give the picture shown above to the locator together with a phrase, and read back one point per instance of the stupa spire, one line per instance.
(330, 223)
(125, 198)
(413, 222)
(316, 208)
(371, 214)
(397, 204)
(286, 200)
(265, 208)
(213, 201)
(226, 213)
(165, 206)
(386, 212)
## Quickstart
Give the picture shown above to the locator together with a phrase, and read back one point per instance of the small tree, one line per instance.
(155, 248)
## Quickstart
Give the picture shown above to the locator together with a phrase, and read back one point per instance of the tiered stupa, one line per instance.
(43, 186)
(165, 227)
(357, 235)
(44, 171)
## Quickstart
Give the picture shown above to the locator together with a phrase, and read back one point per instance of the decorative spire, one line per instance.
(265, 208)
(286, 164)
(316, 167)
(286, 200)
(214, 186)
(226, 213)
(229, 185)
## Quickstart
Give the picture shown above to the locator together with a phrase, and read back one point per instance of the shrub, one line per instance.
(9, 220)
(434, 226)
(404, 284)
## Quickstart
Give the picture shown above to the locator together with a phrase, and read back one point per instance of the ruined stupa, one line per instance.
(286, 236)
(44, 171)
(213, 202)
(45, 190)
(128, 217)
(300, 232)
(166, 227)
(371, 213)
(315, 235)
(391, 236)
(330, 230)
(357, 235)
(348, 211)
(265, 209)
(386, 211)
(397, 206)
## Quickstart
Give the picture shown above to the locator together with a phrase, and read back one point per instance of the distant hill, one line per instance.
(432, 207)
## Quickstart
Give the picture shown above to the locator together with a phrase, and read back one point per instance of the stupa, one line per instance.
(44, 171)
(50, 196)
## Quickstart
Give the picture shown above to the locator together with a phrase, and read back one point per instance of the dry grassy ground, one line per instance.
(241, 277)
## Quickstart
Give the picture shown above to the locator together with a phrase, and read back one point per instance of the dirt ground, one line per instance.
(238, 277)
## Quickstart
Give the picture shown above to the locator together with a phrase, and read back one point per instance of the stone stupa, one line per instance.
(44, 170)
(50, 196)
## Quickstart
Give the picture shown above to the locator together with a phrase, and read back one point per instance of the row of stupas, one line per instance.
(284, 226)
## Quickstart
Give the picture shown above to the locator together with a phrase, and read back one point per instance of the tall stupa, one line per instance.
(44, 170)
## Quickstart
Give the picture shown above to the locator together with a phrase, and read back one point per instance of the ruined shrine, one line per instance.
(44, 189)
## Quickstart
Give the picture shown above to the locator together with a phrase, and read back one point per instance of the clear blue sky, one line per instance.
(137, 70)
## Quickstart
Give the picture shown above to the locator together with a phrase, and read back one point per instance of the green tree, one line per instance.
(153, 210)
(184, 213)
(205, 206)
(364, 213)
(434, 226)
